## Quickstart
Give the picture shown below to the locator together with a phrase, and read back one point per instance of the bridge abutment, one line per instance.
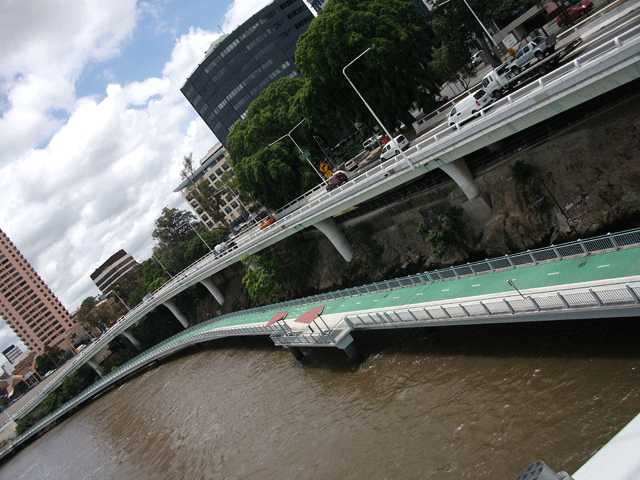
(332, 231)
(176, 311)
(215, 291)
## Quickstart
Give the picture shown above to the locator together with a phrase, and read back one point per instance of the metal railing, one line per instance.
(618, 295)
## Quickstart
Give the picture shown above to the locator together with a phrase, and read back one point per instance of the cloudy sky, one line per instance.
(93, 126)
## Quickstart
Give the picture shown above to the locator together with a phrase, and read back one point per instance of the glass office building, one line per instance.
(239, 65)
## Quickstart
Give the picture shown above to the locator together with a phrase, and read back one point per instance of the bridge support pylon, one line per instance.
(332, 231)
(129, 336)
(93, 364)
(296, 352)
(217, 294)
(178, 314)
(460, 173)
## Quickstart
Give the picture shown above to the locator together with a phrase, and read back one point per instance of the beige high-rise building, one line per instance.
(215, 169)
(27, 305)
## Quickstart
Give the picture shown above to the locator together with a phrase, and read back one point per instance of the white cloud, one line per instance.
(240, 11)
(83, 177)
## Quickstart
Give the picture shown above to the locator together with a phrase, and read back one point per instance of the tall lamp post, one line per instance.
(297, 146)
(344, 71)
(196, 232)
(478, 19)
(162, 265)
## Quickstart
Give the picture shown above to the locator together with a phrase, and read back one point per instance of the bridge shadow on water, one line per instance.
(599, 338)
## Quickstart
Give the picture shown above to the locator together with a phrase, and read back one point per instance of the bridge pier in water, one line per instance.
(332, 231)
(93, 364)
(178, 314)
(129, 336)
(215, 291)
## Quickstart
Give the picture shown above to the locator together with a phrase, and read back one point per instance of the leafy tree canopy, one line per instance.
(456, 26)
(173, 226)
(390, 77)
(275, 175)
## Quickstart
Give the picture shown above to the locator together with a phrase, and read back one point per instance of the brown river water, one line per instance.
(442, 403)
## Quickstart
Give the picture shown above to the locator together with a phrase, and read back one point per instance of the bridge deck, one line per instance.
(622, 265)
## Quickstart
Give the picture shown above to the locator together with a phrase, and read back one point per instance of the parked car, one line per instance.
(336, 180)
(372, 143)
(477, 58)
(266, 222)
(536, 49)
(573, 13)
(393, 147)
(468, 107)
(350, 165)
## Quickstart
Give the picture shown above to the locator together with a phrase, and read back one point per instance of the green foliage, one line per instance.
(391, 77)
(451, 64)
(51, 356)
(446, 230)
(260, 278)
(196, 248)
(24, 424)
(173, 226)
(522, 172)
(275, 175)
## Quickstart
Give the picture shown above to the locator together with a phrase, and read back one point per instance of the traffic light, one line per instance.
(317, 139)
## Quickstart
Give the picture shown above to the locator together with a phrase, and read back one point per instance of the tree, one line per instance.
(49, 360)
(273, 176)
(173, 226)
(391, 77)
(260, 279)
(457, 27)
(451, 64)
(196, 249)
(206, 195)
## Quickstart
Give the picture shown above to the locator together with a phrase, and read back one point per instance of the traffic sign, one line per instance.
(325, 167)
(304, 155)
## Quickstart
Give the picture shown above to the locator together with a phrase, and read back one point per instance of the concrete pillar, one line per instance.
(353, 353)
(93, 364)
(330, 228)
(296, 352)
(174, 309)
(460, 174)
(217, 294)
(129, 336)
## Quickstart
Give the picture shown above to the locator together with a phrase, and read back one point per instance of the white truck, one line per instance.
(503, 79)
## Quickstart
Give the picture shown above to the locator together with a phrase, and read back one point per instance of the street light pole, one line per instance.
(478, 19)
(297, 146)
(162, 265)
(196, 232)
(344, 71)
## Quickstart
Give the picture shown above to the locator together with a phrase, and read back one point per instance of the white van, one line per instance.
(467, 108)
(393, 147)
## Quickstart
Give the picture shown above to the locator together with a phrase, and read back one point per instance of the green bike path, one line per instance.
(622, 264)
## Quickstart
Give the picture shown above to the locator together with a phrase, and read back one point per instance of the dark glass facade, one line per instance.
(243, 63)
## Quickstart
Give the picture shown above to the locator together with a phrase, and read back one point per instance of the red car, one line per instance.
(573, 13)
(266, 222)
(338, 179)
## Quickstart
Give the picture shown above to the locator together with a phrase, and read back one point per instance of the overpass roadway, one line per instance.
(610, 65)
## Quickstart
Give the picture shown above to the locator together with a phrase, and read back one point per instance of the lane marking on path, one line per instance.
(445, 290)
(476, 285)
(554, 273)
(418, 294)
(602, 266)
